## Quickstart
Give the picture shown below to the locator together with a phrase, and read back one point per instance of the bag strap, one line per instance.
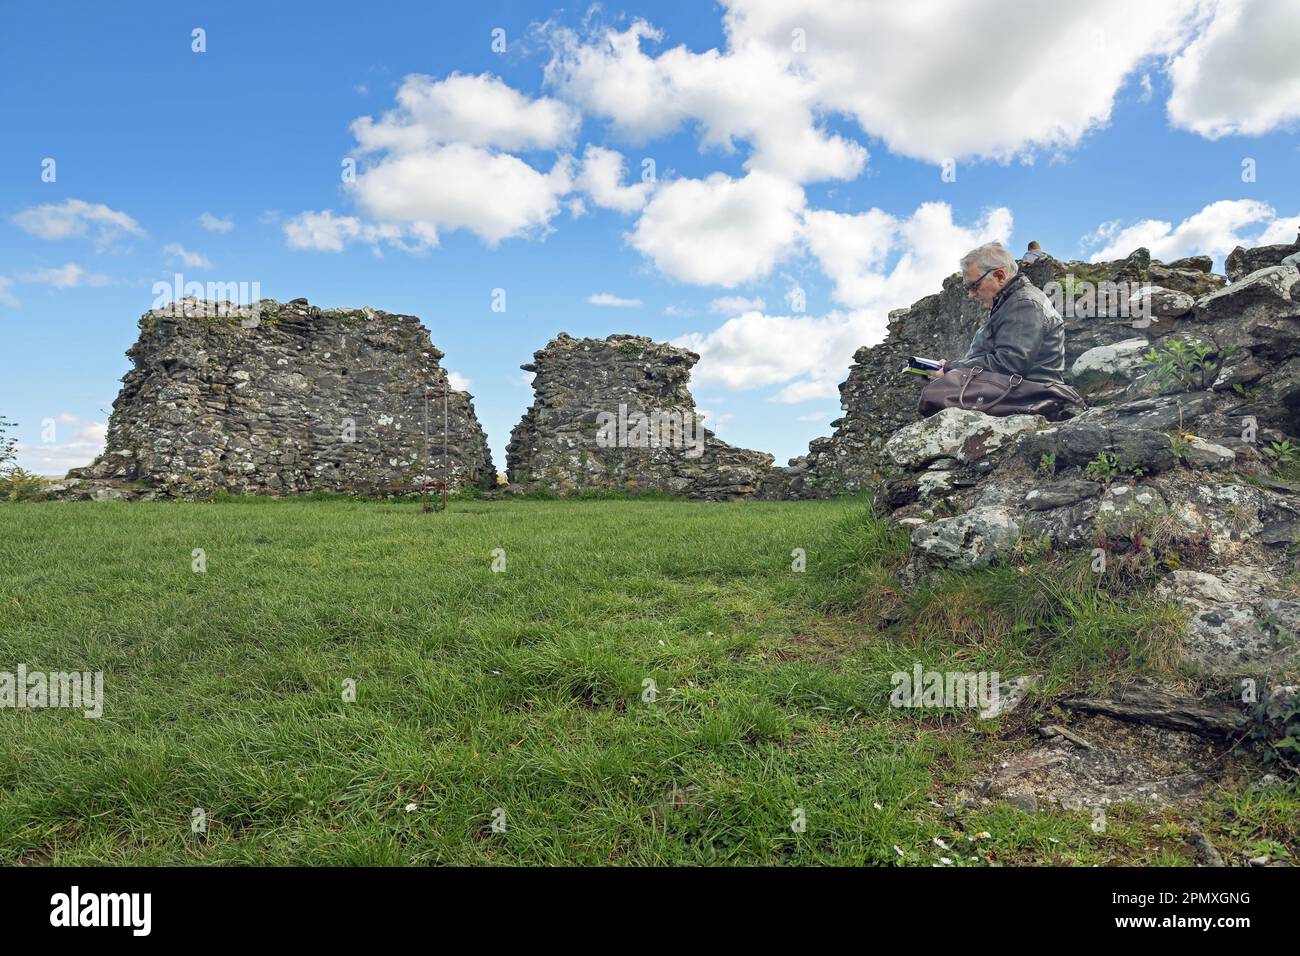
(961, 396)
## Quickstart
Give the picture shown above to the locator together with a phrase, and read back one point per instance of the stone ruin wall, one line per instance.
(556, 448)
(295, 400)
(224, 403)
(877, 399)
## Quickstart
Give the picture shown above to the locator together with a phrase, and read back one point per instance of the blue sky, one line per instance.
(782, 160)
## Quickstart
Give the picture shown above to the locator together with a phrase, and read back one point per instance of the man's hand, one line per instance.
(938, 373)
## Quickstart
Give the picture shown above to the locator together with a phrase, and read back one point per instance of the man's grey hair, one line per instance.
(990, 256)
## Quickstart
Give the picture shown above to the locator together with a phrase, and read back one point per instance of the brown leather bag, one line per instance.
(980, 390)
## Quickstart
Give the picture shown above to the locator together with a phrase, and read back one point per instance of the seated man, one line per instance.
(1024, 334)
(1033, 253)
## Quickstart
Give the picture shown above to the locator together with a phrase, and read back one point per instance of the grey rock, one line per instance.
(1242, 262)
(970, 540)
(1061, 494)
(1209, 456)
(1027, 802)
(965, 436)
(1109, 364)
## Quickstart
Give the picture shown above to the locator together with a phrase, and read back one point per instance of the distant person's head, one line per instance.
(1034, 246)
(986, 269)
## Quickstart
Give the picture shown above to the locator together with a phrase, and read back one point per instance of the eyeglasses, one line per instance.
(972, 286)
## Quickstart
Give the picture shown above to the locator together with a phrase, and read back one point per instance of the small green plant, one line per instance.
(1189, 366)
(1249, 392)
(1285, 452)
(18, 484)
(1104, 468)
(1284, 456)
(1273, 727)
(1047, 464)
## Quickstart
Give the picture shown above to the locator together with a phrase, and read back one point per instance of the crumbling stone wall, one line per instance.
(582, 433)
(878, 399)
(284, 399)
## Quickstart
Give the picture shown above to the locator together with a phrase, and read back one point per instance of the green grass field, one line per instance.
(521, 695)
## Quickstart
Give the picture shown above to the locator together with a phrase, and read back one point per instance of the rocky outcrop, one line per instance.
(616, 414)
(1242, 262)
(281, 399)
(878, 400)
(1179, 481)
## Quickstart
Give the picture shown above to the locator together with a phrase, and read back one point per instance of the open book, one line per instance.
(922, 366)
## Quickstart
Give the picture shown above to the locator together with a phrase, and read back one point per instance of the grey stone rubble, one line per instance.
(284, 398)
(558, 446)
(877, 400)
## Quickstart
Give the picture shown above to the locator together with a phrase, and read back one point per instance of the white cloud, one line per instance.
(735, 304)
(807, 355)
(441, 164)
(1280, 231)
(216, 224)
(918, 76)
(7, 297)
(478, 110)
(605, 298)
(925, 90)
(460, 186)
(752, 92)
(66, 277)
(601, 178)
(757, 350)
(325, 232)
(190, 260)
(720, 231)
(459, 382)
(1241, 75)
(55, 458)
(1213, 231)
(75, 218)
(853, 249)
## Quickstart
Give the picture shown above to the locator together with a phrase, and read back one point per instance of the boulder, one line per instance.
(1080, 442)
(956, 433)
(1061, 494)
(1242, 262)
(1160, 303)
(967, 541)
(1206, 455)
(1263, 295)
(1109, 364)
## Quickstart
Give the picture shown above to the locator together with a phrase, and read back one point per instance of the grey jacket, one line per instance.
(1024, 335)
